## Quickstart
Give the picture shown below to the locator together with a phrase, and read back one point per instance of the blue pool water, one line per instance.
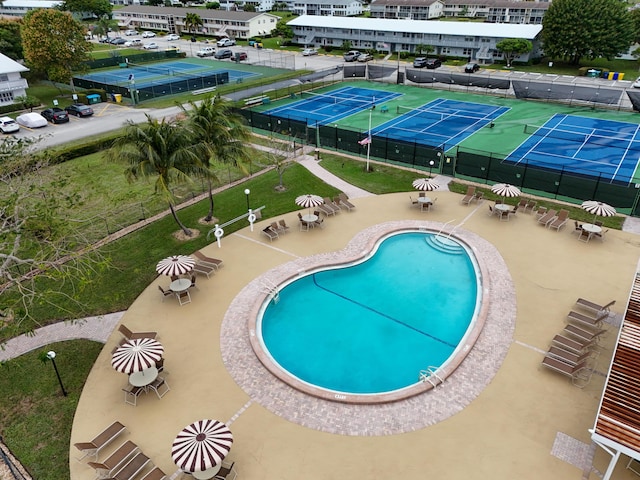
(371, 327)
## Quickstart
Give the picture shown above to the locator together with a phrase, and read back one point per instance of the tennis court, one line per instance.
(607, 148)
(441, 123)
(323, 109)
(163, 72)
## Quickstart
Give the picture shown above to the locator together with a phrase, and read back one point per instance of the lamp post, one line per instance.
(51, 355)
(247, 192)
(431, 163)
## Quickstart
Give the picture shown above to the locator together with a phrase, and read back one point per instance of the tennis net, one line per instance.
(333, 99)
(601, 137)
(437, 116)
(153, 69)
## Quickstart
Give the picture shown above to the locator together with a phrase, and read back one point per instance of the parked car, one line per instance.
(8, 125)
(148, 34)
(224, 53)
(130, 33)
(55, 115)
(151, 46)
(433, 63)
(79, 110)
(226, 42)
(31, 120)
(118, 41)
(206, 52)
(420, 62)
(173, 36)
(365, 57)
(636, 84)
(241, 56)
(136, 42)
(309, 51)
(351, 56)
(471, 67)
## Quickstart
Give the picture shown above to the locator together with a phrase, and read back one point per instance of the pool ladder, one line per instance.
(271, 289)
(431, 375)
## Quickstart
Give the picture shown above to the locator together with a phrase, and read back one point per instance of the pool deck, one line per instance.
(508, 419)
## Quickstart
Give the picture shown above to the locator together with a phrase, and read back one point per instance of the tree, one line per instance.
(635, 17)
(212, 5)
(54, 43)
(346, 45)
(10, 40)
(512, 47)
(574, 29)
(105, 25)
(96, 8)
(155, 3)
(192, 21)
(159, 149)
(249, 8)
(284, 30)
(420, 49)
(28, 101)
(222, 132)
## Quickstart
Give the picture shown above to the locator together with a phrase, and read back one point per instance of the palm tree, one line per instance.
(192, 21)
(222, 132)
(104, 25)
(160, 149)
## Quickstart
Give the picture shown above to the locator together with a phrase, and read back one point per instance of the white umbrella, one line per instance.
(506, 190)
(137, 355)
(425, 184)
(201, 445)
(598, 209)
(175, 265)
(309, 201)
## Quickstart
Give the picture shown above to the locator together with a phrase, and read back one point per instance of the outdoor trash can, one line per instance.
(117, 97)
(93, 98)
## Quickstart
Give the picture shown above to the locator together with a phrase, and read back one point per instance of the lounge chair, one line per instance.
(522, 203)
(283, 227)
(129, 335)
(548, 217)
(595, 307)
(344, 201)
(594, 322)
(570, 357)
(326, 209)
(585, 334)
(202, 258)
(204, 268)
(477, 196)
(165, 293)
(531, 205)
(270, 232)
(471, 191)
(329, 203)
(560, 220)
(580, 374)
(541, 211)
(104, 438)
(155, 474)
(226, 472)
(132, 468)
(116, 460)
(573, 344)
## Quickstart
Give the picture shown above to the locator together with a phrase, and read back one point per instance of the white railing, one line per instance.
(430, 374)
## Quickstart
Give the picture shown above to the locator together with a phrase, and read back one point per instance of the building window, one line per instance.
(466, 52)
(4, 77)
(6, 97)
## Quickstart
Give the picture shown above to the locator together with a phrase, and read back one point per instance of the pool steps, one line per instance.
(445, 244)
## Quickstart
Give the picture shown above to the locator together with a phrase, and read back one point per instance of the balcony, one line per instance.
(13, 85)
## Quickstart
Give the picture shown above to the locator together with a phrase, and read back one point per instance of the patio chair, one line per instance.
(131, 394)
(471, 191)
(116, 460)
(344, 201)
(165, 293)
(503, 214)
(560, 220)
(421, 195)
(522, 204)
(580, 374)
(204, 268)
(132, 468)
(477, 196)
(160, 386)
(541, 211)
(129, 335)
(600, 235)
(573, 344)
(283, 226)
(104, 438)
(584, 235)
(184, 297)
(531, 205)
(594, 322)
(547, 217)
(270, 232)
(319, 220)
(570, 357)
(202, 258)
(491, 212)
(598, 223)
(584, 334)
(193, 282)
(155, 474)
(226, 472)
(578, 227)
(595, 307)
(160, 366)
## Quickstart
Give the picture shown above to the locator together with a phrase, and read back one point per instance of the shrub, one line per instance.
(328, 48)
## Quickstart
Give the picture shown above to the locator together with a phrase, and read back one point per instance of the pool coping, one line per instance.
(467, 377)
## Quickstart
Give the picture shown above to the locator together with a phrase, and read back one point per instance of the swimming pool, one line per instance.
(367, 328)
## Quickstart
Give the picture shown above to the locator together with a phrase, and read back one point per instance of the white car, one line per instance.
(173, 36)
(130, 33)
(309, 51)
(226, 42)
(8, 125)
(32, 120)
(136, 42)
(151, 46)
(636, 84)
(206, 52)
(148, 34)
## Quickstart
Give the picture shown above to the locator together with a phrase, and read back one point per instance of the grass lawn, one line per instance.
(36, 418)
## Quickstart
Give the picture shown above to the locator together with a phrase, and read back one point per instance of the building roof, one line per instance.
(30, 3)
(414, 3)
(491, 30)
(10, 66)
(498, 3)
(181, 12)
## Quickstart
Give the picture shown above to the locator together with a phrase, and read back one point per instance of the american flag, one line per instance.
(365, 141)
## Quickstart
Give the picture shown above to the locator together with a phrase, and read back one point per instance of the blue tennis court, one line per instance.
(440, 123)
(162, 72)
(327, 108)
(588, 146)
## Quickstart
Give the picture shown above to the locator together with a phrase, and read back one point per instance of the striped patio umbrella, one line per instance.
(201, 445)
(175, 265)
(598, 209)
(137, 355)
(309, 201)
(506, 190)
(425, 184)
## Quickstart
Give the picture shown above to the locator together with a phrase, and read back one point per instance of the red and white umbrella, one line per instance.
(175, 265)
(425, 184)
(137, 355)
(201, 445)
(309, 201)
(598, 209)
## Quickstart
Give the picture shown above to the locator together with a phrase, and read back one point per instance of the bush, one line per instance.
(328, 48)
(12, 107)
(404, 55)
(66, 153)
